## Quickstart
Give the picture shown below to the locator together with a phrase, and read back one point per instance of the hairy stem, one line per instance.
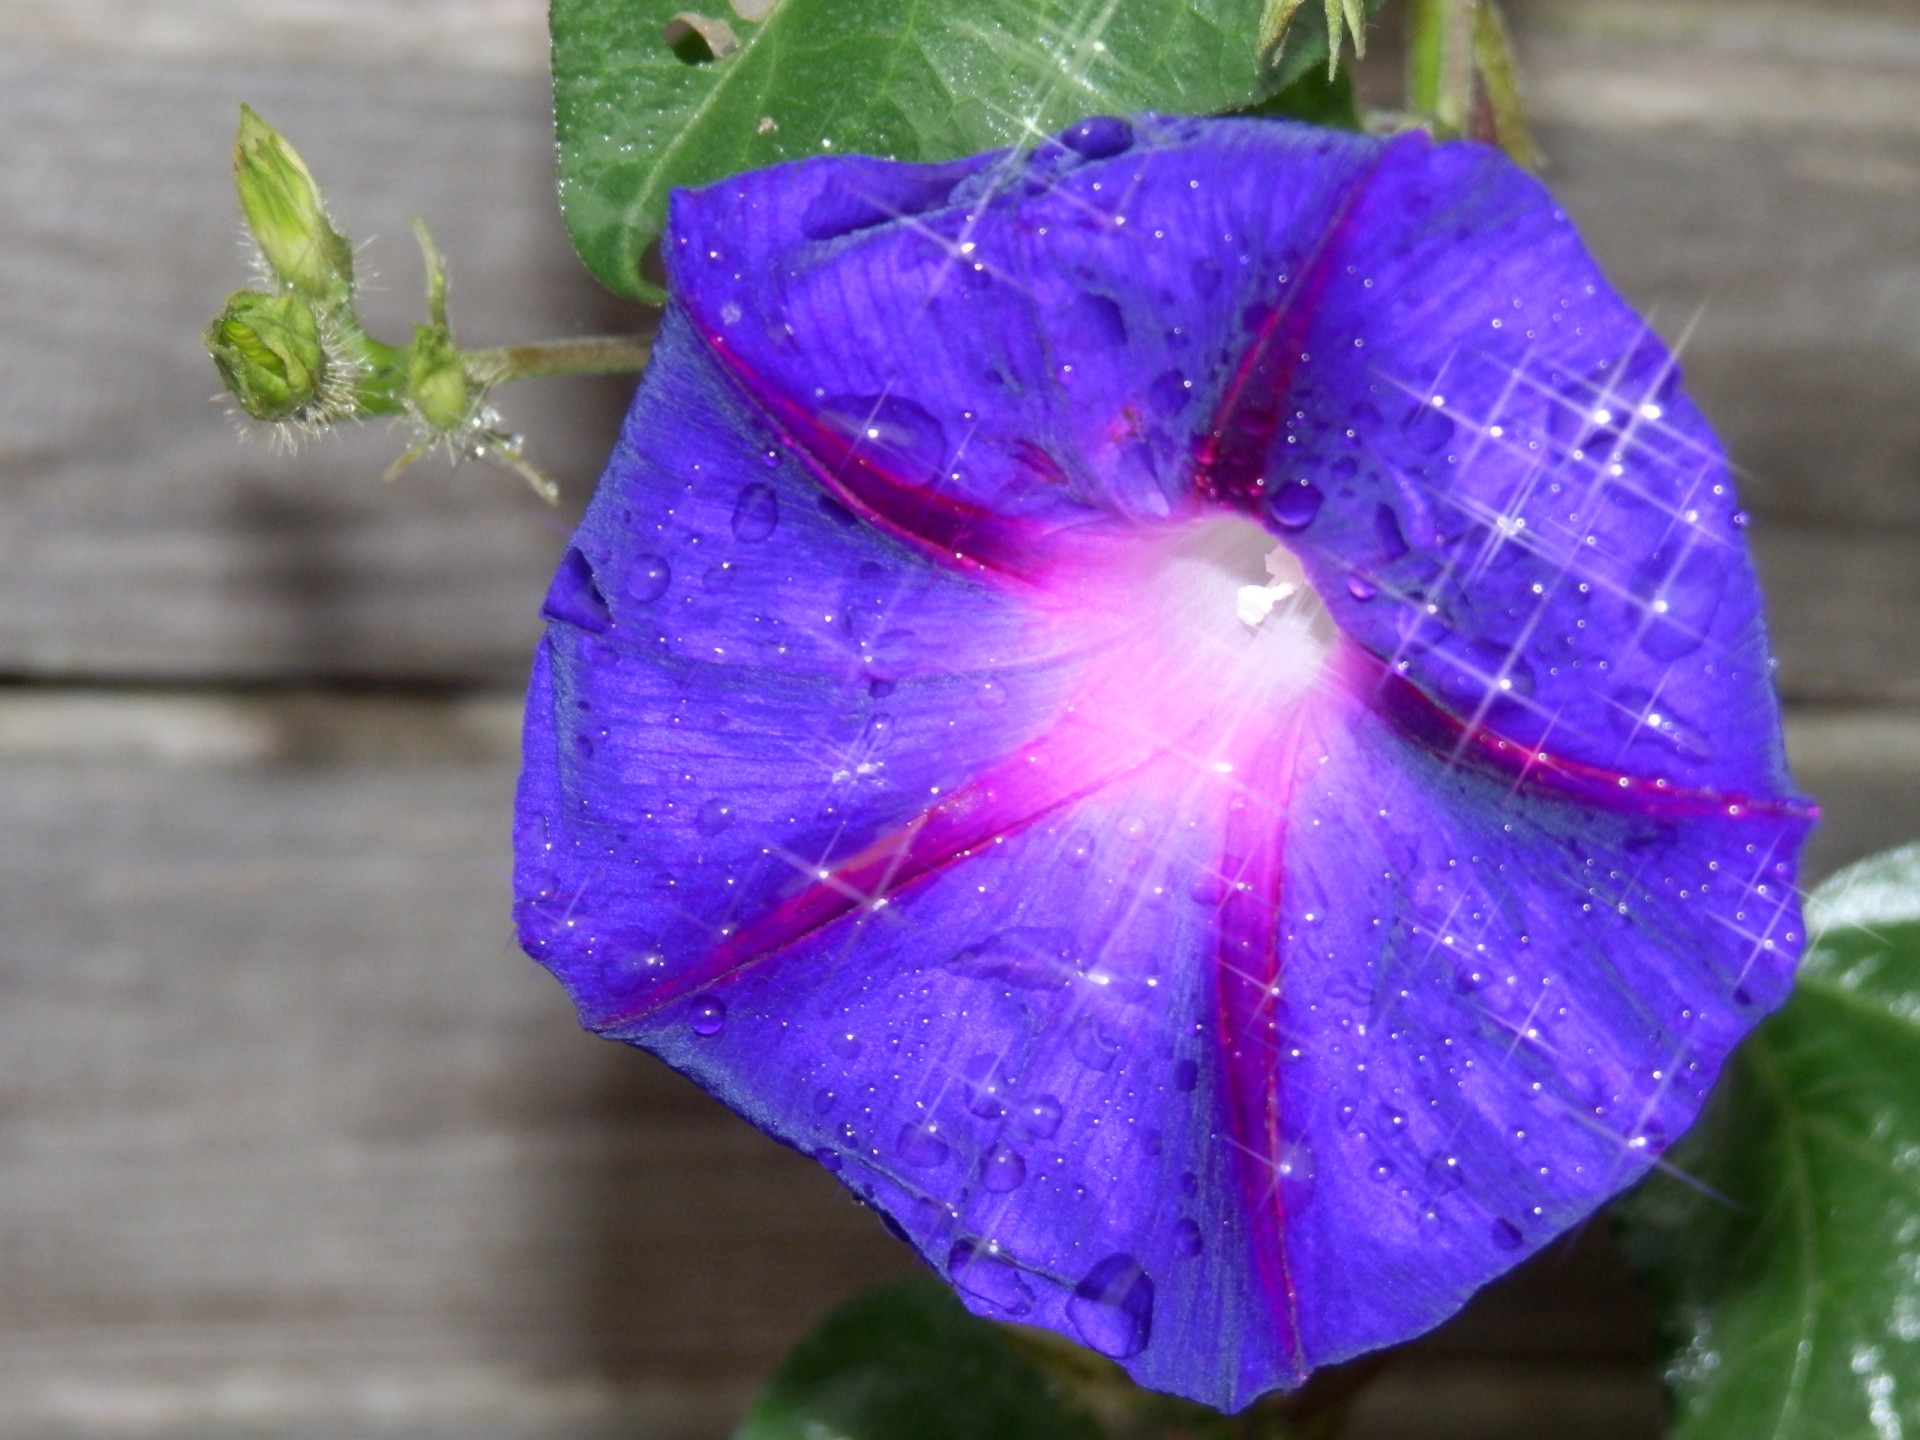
(594, 355)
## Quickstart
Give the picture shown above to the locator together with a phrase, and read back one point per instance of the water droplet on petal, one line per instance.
(979, 1272)
(1040, 1117)
(1112, 1307)
(1443, 1176)
(844, 1043)
(1002, 1170)
(624, 974)
(708, 1015)
(756, 513)
(1186, 1075)
(713, 817)
(920, 1144)
(1360, 587)
(1098, 138)
(1207, 888)
(1428, 429)
(1092, 1046)
(1506, 1235)
(1294, 505)
(1297, 1171)
(990, 695)
(649, 578)
(1186, 1238)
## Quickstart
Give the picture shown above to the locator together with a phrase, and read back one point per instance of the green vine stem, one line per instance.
(595, 355)
(293, 352)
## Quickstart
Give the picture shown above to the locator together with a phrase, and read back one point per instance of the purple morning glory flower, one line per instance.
(1187, 711)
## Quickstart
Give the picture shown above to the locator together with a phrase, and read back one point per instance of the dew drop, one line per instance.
(978, 1272)
(1098, 138)
(708, 1015)
(896, 433)
(1186, 1238)
(844, 1043)
(1092, 1046)
(1506, 1235)
(985, 1103)
(920, 1144)
(830, 1159)
(1207, 888)
(1002, 1170)
(649, 578)
(931, 1216)
(1294, 506)
(756, 513)
(1189, 1184)
(1428, 429)
(713, 817)
(1360, 587)
(624, 974)
(1186, 1075)
(1032, 957)
(1443, 1176)
(1296, 1170)
(1112, 1307)
(990, 695)
(1040, 1117)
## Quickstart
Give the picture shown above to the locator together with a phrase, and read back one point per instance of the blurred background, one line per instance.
(293, 1142)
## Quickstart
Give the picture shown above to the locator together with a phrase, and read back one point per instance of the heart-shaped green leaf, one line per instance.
(650, 94)
(1791, 1266)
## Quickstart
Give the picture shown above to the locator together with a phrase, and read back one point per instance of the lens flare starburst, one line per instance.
(1185, 709)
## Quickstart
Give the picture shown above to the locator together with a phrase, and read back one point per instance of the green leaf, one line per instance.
(643, 103)
(1791, 1267)
(1317, 98)
(907, 1362)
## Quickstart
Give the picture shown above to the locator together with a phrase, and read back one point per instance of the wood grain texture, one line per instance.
(140, 539)
(291, 1141)
(140, 536)
(290, 1136)
(441, 35)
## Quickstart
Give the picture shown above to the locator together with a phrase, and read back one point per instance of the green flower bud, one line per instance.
(283, 209)
(269, 353)
(443, 394)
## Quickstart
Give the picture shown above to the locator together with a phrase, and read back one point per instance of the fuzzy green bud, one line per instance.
(443, 394)
(283, 209)
(268, 351)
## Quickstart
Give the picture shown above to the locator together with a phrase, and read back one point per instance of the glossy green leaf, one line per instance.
(907, 1362)
(1790, 1266)
(651, 94)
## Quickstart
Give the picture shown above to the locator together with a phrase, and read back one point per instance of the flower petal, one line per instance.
(928, 756)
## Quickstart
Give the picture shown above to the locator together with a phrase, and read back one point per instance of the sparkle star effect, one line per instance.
(1186, 709)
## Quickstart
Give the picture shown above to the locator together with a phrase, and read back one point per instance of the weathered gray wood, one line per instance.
(293, 1138)
(291, 1141)
(140, 535)
(442, 35)
(293, 1134)
(140, 539)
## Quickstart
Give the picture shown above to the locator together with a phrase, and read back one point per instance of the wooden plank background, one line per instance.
(291, 1141)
